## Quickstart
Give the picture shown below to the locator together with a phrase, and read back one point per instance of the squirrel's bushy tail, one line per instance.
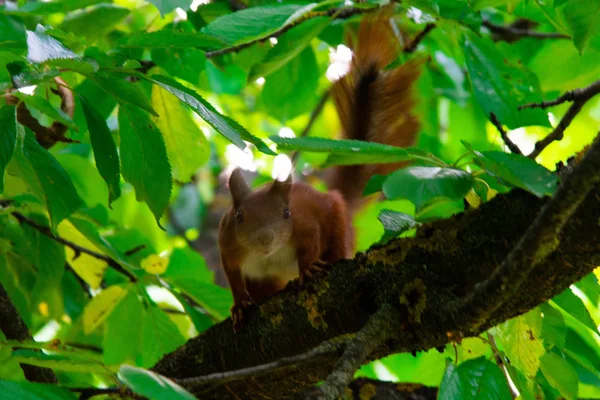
(374, 104)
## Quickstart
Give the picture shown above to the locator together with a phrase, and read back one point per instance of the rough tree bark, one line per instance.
(422, 277)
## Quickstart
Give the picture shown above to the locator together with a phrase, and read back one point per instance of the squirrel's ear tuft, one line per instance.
(238, 187)
(282, 188)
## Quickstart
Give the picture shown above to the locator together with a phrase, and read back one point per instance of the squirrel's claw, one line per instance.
(237, 314)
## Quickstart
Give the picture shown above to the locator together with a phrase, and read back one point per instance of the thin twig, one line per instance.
(78, 249)
(558, 132)
(313, 117)
(86, 288)
(336, 13)
(131, 252)
(324, 349)
(14, 328)
(579, 97)
(510, 33)
(585, 93)
(539, 241)
(511, 145)
(420, 36)
(500, 362)
(382, 325)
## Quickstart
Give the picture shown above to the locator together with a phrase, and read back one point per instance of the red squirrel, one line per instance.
(286, 230)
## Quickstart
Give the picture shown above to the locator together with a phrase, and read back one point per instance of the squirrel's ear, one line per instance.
(238, 187)
(282, 187)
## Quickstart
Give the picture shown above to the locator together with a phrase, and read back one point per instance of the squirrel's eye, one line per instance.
(239, 216)
(287, 213)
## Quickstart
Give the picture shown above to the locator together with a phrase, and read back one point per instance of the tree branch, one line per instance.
(422, 277)
(509, 143)
(510, 33)
(390, 390)
(14, 328)
(420, 36)
(539, 241)
(78, 249)
(335, 13)
(579, 97)
(384, 324)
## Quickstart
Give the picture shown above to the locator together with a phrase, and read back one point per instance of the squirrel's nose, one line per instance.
(265, 237)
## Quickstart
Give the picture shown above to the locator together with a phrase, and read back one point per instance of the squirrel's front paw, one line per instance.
(237, 313)
(318, 267)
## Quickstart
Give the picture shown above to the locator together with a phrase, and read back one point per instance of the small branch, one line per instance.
(390, 390)
(336, 13)
(420, 36)
(325, 349)
(579, 97)
(86, 288)
(500, 363)
(382, 325)
(14, 328)
(78, 249)
(131, 252)
(88, 393)
(313, 117)
(539, 241)
(511, 33)
(584, 94)
(511, 145)
(558, 132)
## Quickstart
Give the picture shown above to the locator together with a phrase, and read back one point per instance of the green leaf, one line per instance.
(520, 340)
(46, 178)
(152, 385)
(44, 106)
(477, 378)
(41, 47)
(572, 304)
(101, 306)
(554, 330)
(123, 91)
(60, 363)
(166, 6)
(459, 10)
(352, 152)
(144, 159)
(222, 124)
(172, 39)
(501, 87)
(12, 33)
(122, 332)
(159, 336)
(94, 22)
(519, 171)
(56, 6)
(421, 185)
(560, 375)
(300, 77)
(214, 299)
(251, 23)
(583, 18)
(289, 45)
(8, 139)
(105, 150)
(188, 264)
(394, 223)
(33, 391)
(187, 147)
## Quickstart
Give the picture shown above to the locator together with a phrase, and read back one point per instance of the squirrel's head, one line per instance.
(262, 218)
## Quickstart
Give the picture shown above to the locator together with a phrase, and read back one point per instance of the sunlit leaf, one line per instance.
(583, 17)
(101, 306)
(521, 340)
(122, 340)
(159, 336)
(152, 385)
(41, 47)
(94, 21)
(560, 374)
(394, 223)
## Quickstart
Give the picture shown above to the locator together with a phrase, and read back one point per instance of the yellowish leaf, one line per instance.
(521, 341)
(155, 264)
(101, 306)
(90, 269)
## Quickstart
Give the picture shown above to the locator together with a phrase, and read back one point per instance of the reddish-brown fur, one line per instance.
(260, 241)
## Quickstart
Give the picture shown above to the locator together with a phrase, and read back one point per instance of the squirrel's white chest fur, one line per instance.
(282, 264)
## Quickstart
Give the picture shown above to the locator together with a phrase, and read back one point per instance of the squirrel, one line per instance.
(286, 230)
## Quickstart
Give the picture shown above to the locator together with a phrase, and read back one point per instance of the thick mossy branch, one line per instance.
(421, 277)
(13, 327)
